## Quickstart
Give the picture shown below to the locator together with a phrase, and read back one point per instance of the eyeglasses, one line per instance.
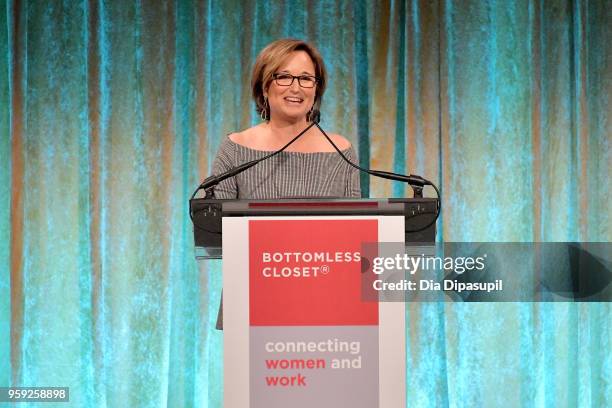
(305, 81)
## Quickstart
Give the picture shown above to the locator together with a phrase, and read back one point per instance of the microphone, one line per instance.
(416, 182)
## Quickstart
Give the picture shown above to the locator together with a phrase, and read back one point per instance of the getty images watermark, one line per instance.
(487, 272)
(411, 264)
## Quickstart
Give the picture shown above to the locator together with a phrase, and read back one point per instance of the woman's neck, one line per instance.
(285, 130)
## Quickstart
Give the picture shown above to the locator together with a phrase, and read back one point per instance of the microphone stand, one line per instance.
(416, 182)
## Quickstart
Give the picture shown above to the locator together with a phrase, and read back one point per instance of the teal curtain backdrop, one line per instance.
(110, 115)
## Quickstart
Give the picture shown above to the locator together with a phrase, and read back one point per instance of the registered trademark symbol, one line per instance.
(325, 269)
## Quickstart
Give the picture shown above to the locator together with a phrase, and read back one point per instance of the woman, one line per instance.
(288, 82)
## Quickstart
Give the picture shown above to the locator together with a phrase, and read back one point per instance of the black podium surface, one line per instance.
(419, 214)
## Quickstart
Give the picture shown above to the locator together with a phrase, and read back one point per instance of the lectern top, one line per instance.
(208, 213)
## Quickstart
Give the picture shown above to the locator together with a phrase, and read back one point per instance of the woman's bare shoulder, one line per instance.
(342, 142)
(245, 137)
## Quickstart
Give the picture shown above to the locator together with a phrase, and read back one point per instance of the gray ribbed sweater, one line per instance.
(287, 175)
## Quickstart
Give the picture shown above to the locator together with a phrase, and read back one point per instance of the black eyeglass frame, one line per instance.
(294, 77)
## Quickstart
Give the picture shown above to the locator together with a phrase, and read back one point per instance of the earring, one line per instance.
(313, 116)
(264, 112)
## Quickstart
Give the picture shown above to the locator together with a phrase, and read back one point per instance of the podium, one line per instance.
(298, 330)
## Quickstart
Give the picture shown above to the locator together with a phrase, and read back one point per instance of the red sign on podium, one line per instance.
(308, 273)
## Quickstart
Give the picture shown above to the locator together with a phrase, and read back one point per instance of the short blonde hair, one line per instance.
(271, 58)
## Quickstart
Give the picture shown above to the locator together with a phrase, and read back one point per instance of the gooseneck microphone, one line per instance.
(416, 182)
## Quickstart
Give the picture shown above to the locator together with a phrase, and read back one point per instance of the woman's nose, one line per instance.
(295, 85)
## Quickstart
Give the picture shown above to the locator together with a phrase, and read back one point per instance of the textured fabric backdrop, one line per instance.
(110, 115)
